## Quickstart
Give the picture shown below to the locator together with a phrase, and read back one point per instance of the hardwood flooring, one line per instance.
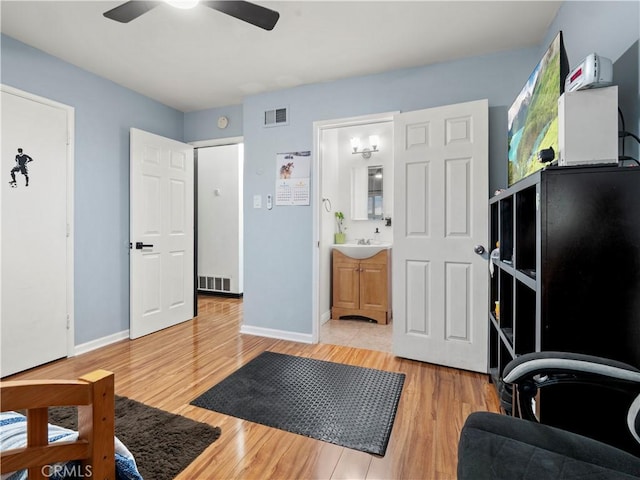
(170, 368)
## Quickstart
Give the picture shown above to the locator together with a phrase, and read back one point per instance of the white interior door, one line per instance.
(162, 260)
(37, 242)
(440, 285)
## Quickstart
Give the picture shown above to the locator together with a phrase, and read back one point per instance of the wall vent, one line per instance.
(276, 117)
(214, 284)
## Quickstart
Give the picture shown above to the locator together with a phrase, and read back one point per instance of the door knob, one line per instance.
(479, 249)
(140, 245)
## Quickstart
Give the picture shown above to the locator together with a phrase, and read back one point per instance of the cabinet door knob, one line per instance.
(479, 249)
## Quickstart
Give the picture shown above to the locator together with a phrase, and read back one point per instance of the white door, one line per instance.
(440, 285)
(162, 260)
(37, 245)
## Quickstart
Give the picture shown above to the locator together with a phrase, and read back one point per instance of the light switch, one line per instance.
(257, 201)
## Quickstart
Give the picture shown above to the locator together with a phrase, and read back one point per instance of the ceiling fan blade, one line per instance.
(130, 10)
(249, 12)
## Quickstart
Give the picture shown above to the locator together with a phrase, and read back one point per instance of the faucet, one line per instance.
(362, 241)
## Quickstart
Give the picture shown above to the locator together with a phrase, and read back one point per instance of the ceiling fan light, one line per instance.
(184, 4)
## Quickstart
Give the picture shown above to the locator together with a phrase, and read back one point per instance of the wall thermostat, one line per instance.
(223, 122)
(594, 72)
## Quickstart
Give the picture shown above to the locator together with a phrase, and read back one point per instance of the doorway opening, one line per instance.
(219, 218)
(338, 190)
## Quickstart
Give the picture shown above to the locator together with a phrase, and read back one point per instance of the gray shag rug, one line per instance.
(162, 443)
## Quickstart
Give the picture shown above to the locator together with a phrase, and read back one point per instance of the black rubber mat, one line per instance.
(350, 406)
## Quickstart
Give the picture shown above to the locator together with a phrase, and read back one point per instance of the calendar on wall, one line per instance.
(293, 171)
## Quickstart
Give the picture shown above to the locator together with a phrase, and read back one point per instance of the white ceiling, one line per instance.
(200, 58)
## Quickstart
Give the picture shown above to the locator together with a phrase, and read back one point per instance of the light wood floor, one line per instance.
(170, 368)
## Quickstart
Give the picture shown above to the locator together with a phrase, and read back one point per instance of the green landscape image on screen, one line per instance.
(533, 117)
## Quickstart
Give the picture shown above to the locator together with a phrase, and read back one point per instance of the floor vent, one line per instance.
(214, 284)
(276, 117)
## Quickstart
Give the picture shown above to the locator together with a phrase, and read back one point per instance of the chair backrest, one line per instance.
(94, 396)
(633, 418)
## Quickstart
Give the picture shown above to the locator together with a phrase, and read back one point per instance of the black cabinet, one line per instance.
(568, 273)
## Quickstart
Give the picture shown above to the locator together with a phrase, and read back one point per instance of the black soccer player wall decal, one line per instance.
(21, 166)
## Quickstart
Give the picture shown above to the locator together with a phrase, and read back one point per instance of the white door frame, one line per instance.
(318, 128)
(217, 142)
(70, 205)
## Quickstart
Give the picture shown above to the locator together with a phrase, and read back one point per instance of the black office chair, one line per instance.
(494, 446)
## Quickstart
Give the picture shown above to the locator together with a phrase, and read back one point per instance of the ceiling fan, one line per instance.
(246, 11)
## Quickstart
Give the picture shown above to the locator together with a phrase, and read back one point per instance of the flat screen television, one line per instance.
(533, 116)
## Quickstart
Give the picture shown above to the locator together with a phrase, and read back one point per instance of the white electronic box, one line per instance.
(594, 72)
(588, 126)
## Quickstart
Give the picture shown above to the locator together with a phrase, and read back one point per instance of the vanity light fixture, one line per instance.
(374, 142)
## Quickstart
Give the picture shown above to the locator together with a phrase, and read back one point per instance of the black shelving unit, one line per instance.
(568, 273)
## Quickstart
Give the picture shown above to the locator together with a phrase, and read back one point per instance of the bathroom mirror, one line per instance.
(366, 192)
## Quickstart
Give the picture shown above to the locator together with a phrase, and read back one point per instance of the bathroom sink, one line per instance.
(359, 252)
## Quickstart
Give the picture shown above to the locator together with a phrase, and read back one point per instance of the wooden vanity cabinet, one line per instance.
(362, 287)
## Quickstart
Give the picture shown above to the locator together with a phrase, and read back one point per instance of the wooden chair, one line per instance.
(93, 394)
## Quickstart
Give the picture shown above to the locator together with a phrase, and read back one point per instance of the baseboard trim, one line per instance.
(279, 334)
(220, 294)
(101, 342)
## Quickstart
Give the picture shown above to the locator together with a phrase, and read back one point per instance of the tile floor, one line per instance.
(357, 333)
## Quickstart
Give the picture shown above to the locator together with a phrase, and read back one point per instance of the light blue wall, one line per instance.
(610, 29)
(278, 243)
(203, 124)
(104, 112)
